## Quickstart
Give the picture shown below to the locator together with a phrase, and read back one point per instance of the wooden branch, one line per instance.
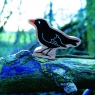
(22, 72)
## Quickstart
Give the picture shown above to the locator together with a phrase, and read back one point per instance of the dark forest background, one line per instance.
(81, 25)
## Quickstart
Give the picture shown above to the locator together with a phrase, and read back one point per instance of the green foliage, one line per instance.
(91, 26)
(10, 37)
(7, 45)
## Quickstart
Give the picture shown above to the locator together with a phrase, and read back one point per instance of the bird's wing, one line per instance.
(59, 41)
(55, 41)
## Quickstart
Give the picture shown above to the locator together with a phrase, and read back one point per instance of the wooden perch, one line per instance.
(22, 72)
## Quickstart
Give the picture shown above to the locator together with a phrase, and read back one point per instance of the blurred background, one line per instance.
(74, 17)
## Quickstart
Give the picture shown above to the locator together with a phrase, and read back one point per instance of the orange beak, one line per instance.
(32, 21)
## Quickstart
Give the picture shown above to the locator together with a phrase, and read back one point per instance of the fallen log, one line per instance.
(22, 72)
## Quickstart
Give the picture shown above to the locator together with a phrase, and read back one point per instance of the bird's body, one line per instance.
(53, 38)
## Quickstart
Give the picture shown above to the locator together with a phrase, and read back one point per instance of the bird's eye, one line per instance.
(39, 22)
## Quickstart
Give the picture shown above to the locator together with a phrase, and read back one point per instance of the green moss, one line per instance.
(1, 66)
(41, 60)
(27, 83)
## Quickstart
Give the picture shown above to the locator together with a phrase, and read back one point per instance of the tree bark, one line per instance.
(22, 72)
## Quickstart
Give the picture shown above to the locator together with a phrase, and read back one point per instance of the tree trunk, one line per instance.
(22, 72)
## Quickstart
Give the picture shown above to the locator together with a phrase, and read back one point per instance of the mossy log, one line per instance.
(22, 72)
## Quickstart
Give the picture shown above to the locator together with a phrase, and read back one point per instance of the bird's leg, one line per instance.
(48, 51)
(45, 52)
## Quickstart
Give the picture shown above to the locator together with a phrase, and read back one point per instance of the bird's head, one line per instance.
(39, 23)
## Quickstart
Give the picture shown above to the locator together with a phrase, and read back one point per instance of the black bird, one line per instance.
(52, 38)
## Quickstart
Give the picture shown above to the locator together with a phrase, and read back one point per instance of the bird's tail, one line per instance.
(75, 42)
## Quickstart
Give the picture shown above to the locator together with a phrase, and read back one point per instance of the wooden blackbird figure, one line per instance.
(51, 39)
